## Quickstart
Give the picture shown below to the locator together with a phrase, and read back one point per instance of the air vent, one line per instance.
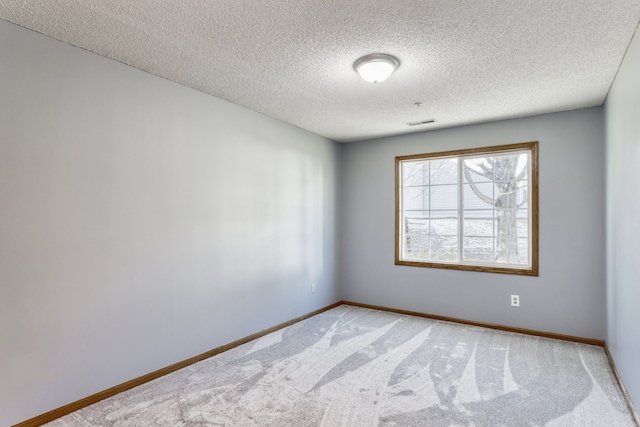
(421, 122)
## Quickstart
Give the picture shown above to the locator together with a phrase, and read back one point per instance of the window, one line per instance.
(469, 210)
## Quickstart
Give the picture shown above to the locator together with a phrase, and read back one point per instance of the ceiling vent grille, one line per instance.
(421, 122)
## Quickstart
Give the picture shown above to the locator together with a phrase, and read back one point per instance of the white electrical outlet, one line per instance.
(515, 300)
(313, 288)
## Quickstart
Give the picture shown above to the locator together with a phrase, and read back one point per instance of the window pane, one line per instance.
(507, 249)
(444, 171)
(473, 199)
(510, 167)
(522, 193)
(478, 248)
(523, 223)
(478, 223)
(416, 214)
(519, 252)
(479, 169)
(416, 237)
(523, 251)
(444, 223)
(415, 198)
(444, 248)
(415, 173)
(514, 253)
(444, 197)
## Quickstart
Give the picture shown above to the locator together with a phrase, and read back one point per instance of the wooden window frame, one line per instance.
(532, 270)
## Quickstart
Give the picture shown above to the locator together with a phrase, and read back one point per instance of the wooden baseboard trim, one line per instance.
(533, 332)
(95, 398)
(632, 408)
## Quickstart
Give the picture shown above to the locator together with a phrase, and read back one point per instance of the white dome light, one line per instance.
(377, 67)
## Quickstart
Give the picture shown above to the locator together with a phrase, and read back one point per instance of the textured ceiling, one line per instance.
(466, 61)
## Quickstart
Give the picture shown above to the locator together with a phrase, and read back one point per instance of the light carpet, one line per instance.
(351, 366)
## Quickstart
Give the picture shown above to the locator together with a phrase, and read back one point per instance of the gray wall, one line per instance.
(143, 222)
(623, 220)
(567, 297)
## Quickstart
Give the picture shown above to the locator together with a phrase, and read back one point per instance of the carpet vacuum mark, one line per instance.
(351, 366)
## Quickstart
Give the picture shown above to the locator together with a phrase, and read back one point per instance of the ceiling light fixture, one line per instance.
(377, 67)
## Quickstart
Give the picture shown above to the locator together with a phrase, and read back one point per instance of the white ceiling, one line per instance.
(466, 61)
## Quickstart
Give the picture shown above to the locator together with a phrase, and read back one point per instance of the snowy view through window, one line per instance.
(472, 209)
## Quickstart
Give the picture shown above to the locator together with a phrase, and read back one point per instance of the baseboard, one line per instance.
(95, 398)
(552, 335)
(632, 408)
